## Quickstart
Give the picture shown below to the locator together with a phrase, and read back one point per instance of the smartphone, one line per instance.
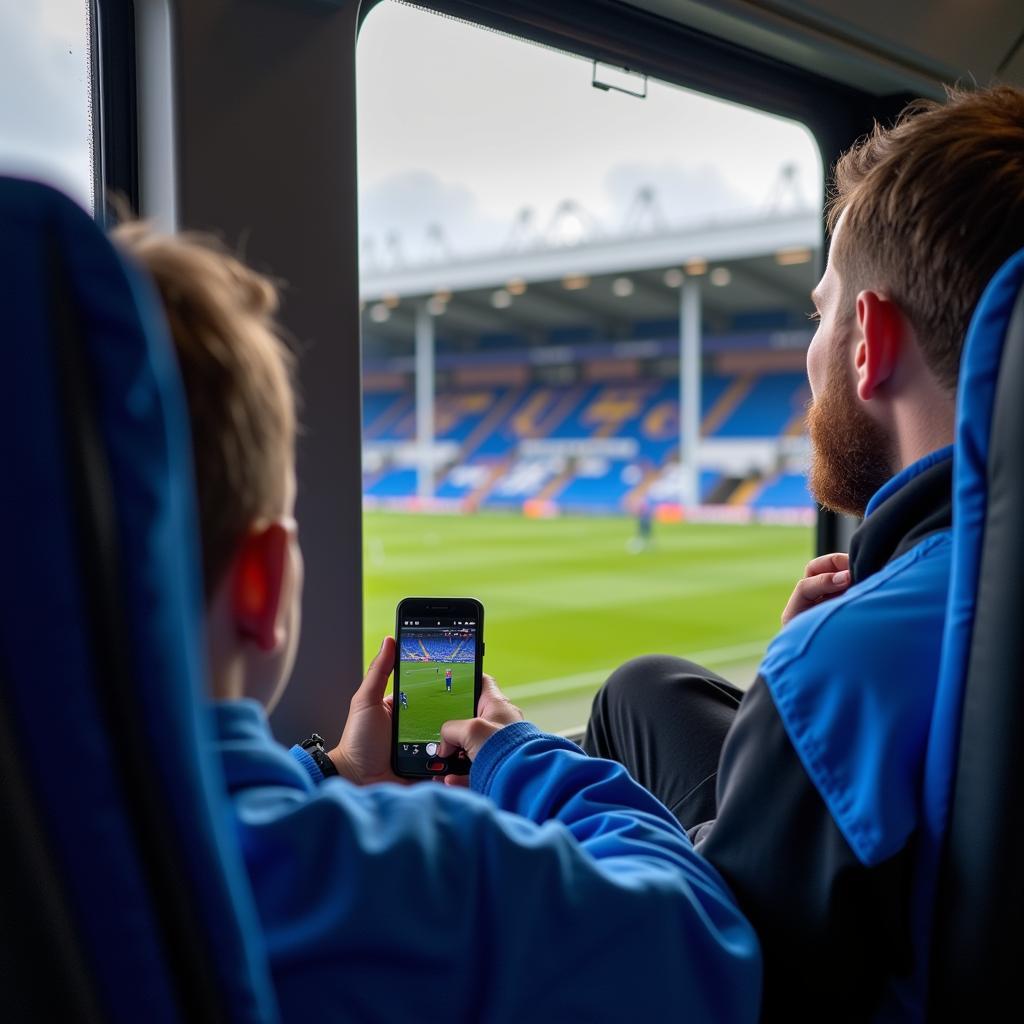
(438, 672)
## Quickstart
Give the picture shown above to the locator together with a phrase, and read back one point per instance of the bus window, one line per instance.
(46, 94)
(585, 301)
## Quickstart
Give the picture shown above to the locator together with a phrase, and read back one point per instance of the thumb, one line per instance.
(468, 734)
(375, 682)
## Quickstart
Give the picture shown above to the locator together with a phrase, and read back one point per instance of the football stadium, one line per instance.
(426, 700)
(603, 442)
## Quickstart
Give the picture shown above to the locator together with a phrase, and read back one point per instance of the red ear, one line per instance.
(259, 577)
(878, 350)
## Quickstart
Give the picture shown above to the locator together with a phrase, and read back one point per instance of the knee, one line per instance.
(650, 671)
(655, 676)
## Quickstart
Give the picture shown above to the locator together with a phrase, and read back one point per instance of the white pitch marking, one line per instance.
(715, 656)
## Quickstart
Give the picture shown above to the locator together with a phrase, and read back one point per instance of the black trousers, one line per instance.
(665, 720)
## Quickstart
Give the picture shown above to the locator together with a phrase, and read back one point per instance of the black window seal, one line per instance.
(115, 106)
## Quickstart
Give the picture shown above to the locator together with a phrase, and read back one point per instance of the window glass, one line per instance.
(544, 243)
(45, 94)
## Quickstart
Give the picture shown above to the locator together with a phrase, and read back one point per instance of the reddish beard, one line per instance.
(850, 452)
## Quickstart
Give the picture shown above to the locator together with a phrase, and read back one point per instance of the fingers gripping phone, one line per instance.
(438, 674)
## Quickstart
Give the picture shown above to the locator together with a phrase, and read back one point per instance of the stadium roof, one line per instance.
(607, 283)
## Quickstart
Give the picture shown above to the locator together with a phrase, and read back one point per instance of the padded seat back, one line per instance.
(129, 899)
(972, 893)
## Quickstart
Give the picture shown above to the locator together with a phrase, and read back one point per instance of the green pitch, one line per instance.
(566, 602)
(430, 704)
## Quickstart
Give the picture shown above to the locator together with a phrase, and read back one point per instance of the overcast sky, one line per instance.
(44, 109)
(462, 126)
(458, 126)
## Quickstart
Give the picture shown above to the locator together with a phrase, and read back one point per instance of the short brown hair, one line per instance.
(236, 372)
(934, 205)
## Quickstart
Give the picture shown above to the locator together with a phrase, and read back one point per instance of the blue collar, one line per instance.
(905, 475)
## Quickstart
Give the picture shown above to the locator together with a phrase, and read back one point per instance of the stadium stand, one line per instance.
(395, 483)
(453, 648)
(593, 447)
(768, 407)
(787, 490)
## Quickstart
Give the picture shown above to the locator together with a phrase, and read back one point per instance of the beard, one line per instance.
(850, 452)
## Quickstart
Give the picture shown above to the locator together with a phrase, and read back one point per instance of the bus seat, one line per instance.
(974, 772)
(124, 895)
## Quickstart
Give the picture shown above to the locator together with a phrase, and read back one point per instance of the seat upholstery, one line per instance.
(133, 900)
(973, 848)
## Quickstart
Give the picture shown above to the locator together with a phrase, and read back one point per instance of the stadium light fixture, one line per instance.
(501, 299)
(674, 277)
(391, 301)
(516, 286)
(379, 313)
(791, 257)
(721, 276)
(575, 282)
(622, 287)
(696, 267)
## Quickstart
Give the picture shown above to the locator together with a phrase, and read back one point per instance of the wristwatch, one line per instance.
(314, 746)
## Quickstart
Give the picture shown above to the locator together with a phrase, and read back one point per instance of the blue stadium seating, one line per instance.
(605, 491)
(456, 648)
(644, 410)
(789, 490)
(708, 480)
(375, 405)
(769, 407)
(397, 483)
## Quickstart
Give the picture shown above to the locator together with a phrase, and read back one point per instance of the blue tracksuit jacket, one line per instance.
(558, 889)
(820, 779)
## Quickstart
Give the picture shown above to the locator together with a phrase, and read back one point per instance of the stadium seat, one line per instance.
(124, 894)
(488, 425)
(766, 410)
(974, 779)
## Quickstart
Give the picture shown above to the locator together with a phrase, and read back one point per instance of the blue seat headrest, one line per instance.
(974, 771)
(101, 646)
(976, 399)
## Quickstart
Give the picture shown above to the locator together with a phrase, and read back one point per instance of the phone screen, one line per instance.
(435, 680)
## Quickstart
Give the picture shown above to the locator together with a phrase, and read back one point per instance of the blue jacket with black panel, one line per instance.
(819, 784)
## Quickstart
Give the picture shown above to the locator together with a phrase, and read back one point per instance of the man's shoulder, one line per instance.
(899, 607)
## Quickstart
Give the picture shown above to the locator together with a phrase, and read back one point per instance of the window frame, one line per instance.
(115, 105)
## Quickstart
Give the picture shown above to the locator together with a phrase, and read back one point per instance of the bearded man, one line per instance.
(800, 790)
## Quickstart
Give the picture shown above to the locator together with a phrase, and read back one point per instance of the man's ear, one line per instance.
(881, 340)
(259, 582)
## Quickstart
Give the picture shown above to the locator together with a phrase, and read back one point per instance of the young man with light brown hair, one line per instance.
(520, 897)
(805, 791)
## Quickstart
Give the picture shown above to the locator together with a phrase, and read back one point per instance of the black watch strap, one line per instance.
(314, 746)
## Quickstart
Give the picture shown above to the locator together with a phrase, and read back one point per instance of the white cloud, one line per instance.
(404, 210)
(496, 124)
(683, 195)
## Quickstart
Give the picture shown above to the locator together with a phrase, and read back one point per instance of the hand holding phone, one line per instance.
(438, 676)
(494, 712)
(363, 755)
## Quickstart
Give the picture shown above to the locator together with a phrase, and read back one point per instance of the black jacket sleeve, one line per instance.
(831, 929)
